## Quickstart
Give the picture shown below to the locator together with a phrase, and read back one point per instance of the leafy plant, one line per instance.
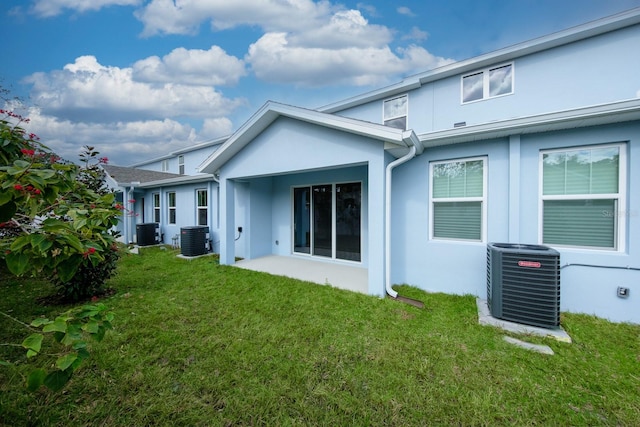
(55, 216)
(89, 279)
(56, 221)
(69, 332)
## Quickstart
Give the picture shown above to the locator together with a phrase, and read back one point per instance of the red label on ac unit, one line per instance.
(532, 264)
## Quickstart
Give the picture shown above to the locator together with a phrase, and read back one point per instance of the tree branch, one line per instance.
(16, 320)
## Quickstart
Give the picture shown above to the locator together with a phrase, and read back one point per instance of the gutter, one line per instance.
(410, 138)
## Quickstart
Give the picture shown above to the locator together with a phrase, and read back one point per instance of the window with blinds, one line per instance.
(458, 199)
(582, 199)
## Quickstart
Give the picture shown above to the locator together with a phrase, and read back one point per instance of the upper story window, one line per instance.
(394, 112)
(488, 83)
(458, 199)
(165, 166)
(583, 198)
(181, 165)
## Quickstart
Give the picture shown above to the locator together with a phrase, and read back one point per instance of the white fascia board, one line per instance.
(580, 32)
(154, 160)
(271, 111)
(187, 179)
(616, 112)
(205, 144)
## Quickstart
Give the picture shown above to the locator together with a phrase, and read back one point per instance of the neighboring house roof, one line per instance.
(590, 29)
(396, 141)
(123, 175)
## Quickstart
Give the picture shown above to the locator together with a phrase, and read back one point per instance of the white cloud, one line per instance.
(344, 28)
(123, 143)
(272, 59)
(369, 8)
(48, 8)
(304, 42)
(403, 10)
(89, 91)
(191, 67)
(416, 34)
(87, 103)
(169, 17)
(212, 128)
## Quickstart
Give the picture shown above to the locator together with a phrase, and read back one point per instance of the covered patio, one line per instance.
(342, 276)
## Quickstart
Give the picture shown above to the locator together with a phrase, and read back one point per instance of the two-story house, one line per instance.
(536, 143)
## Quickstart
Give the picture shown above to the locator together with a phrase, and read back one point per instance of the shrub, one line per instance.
(89, 279)
(56, 218)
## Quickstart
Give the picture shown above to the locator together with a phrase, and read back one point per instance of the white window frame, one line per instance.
(172, 208)
(155, 197)
(200, 207)
(181, 164)
(165, 166)
(385, 119)
(483, 199)
(622, 214)
(486, 94)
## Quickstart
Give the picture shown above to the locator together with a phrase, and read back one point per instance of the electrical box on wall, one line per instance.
(623, 292)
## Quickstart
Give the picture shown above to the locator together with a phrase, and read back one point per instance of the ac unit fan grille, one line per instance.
(524, 286)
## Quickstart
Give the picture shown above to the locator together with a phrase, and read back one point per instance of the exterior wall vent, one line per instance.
(193, 240)
(147, 233)
(523, 284)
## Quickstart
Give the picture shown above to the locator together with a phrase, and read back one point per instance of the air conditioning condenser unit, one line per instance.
(523, 284)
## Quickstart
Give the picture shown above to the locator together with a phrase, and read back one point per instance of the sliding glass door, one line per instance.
(322, 220)
(327, 222)
(301, 220)
(348, 237)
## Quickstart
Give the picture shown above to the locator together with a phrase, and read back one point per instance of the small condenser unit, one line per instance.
(147, 233)
(193, 240)
(523, 284)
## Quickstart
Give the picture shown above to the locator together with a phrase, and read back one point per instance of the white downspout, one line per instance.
(416, 148)
(129, 219)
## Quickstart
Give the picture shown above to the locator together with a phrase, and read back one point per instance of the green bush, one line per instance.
(56, 221)
(89, 279)
(56, 218)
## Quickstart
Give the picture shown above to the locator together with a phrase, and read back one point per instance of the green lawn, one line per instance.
(199, 344)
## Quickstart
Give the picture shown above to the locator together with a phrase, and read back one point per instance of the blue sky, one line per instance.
(140, 78)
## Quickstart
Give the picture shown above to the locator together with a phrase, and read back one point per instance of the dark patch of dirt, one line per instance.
(57, 299)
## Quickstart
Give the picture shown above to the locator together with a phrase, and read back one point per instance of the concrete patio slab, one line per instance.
(351, 278)
(485, 318)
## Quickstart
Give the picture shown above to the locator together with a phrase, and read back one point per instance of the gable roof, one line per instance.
(396, 141)
(580, 32)
(123, 175)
